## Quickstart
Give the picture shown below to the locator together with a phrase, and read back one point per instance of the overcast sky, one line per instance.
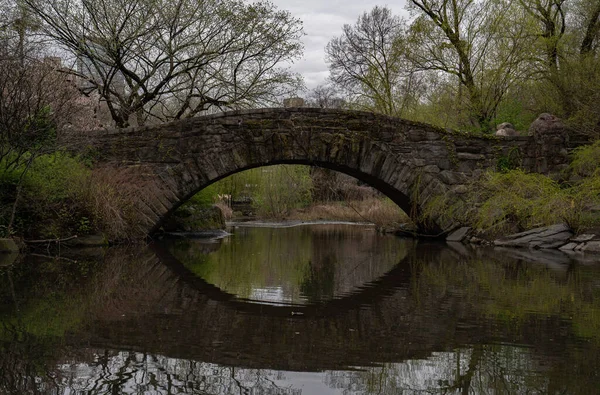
(323, 20)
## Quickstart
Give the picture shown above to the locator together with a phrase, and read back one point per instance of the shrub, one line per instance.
(517, 197)
(50, 203)
(515, 200)
(586, 160)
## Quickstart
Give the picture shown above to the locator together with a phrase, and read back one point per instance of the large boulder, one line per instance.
(459, 235)
(7, 259)
(552, 139)
(506, 129)
(553, 236)
(547, 124)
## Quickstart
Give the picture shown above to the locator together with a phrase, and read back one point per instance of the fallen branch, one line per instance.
(53, 257)
(50, 240)
(423, 236)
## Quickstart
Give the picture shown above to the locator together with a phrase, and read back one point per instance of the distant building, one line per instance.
(88, 110)
(97, 73)
(293, 102)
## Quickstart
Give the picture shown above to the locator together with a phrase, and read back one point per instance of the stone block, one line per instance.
(592, 246)
(431, 169)
(569, 247)
(444, 164)
(432, 136)
(459, 189)
(452, 178)
(417, 135)
(468, 156)
(467, 167)
(583, 237)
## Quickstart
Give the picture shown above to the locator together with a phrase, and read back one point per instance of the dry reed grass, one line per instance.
(382, 212)
(115, 197)
(225, 209)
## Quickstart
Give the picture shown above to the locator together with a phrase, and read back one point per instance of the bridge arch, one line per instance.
(407, 161)
(399, 196)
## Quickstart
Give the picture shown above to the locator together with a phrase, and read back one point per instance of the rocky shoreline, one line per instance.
(554, 239)
(557, 236)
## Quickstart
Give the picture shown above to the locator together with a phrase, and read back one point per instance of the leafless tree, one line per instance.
(170, 59)
(368, 62)
(325, 96)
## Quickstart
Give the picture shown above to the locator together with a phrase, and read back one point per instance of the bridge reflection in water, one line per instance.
(439, 321)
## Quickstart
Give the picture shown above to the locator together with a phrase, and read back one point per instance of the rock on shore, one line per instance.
(557, 236)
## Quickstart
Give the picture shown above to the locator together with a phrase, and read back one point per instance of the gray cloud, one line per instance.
(323, 20)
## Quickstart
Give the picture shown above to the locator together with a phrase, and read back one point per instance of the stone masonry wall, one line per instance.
(409, 162)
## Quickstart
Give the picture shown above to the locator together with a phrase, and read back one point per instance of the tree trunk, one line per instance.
(591, 31)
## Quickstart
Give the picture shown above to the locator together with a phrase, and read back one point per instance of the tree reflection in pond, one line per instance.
(304, 264)
(498, 369)
(135, 320)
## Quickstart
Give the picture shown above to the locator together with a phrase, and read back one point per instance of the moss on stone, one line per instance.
(8, 245)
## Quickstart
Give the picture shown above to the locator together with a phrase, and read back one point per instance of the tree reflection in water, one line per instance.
(134, 320)
(480, 370)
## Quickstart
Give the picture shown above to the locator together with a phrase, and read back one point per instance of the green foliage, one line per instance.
(582, 203)
(85, 225)
(56, 176)
(471, 65)
(206, 197)
(40, 129)
(239, 185)
(580, 94)
(513, 110)
(51, 197)
(510, 161)
(441, 107)
(37, 133)
(275, 190)
(517, 197)
(586, 159)
(513, 200)
(282, 189)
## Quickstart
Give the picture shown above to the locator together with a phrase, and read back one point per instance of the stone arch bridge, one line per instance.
(407, 161)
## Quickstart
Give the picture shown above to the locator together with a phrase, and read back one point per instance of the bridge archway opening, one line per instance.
(327, 184)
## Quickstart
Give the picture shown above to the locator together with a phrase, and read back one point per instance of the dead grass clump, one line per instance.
(115, 197)
(225, 209)
(380, 211)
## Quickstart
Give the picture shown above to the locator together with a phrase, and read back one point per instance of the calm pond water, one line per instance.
(321, 309)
